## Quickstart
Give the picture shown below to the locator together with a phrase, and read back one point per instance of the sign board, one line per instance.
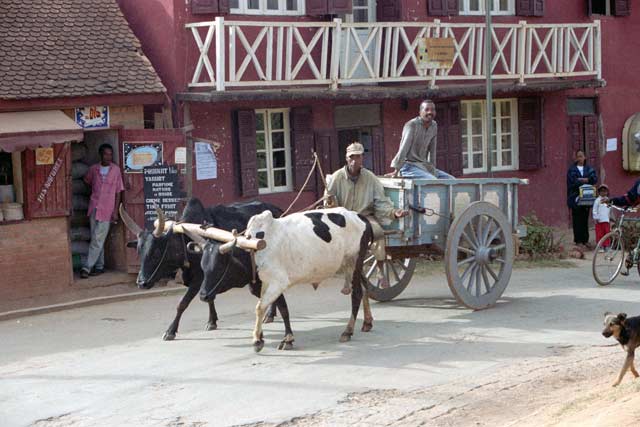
(436, 53)
(139, 155)
(44, 156)
(206, 162)
(161, 188)
(96, 117)
(180, 156)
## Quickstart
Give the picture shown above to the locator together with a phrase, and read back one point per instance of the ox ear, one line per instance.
(132, 244)
(194, 248)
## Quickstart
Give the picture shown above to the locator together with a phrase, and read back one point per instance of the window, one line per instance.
(477, 7)
(273, 149)
(267, 7)
(504, 141)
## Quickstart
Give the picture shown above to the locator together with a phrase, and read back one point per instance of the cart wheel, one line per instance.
(397, 271)
(479, 255)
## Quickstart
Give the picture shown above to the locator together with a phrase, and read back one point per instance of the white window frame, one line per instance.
(468, 141)
(271, 187)
(243, 8)
(466, 4)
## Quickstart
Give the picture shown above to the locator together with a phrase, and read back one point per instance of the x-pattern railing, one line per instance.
(334, 53)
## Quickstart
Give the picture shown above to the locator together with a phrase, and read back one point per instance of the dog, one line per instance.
(627, 331)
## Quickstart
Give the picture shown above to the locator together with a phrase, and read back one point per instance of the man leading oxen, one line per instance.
(162, 253)
(304, 247)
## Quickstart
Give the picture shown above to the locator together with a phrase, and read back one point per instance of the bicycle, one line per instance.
(609, 255)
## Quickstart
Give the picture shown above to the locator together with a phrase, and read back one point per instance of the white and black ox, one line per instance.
(306, 247)
(162, 254)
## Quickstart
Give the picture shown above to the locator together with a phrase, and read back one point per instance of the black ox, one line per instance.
(162, 254)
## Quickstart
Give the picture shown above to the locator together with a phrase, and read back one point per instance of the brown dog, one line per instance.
(627, 331)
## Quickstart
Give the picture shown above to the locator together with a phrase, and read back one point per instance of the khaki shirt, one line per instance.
(418, 146)
(364, 196)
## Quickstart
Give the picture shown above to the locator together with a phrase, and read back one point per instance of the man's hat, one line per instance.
(355, 148)
(605, 186)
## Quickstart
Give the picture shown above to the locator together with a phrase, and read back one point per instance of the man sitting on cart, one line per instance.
(416, 157)
(358, 189)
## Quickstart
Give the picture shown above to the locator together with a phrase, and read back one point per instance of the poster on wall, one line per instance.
(139, 155)
(206, 162)
(161, 188)
(44, 156)
(95, 117)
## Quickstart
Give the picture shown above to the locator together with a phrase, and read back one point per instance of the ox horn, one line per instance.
(227, 247)
(159, 231)
(129, 222)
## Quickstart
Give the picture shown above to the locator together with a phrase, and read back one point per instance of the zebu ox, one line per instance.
(305, 247)
(162, 254)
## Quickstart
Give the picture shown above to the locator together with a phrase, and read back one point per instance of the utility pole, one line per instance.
(488, 39)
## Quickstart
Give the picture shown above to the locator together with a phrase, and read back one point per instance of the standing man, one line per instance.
(580, 173)
(416, 157)
(106, 185)
(358, 189)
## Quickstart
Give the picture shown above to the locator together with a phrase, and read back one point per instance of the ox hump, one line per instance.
(319, 227)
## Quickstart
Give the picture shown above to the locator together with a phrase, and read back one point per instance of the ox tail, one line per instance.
(365, 241)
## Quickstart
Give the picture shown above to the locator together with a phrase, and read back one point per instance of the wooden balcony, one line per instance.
(337, 55)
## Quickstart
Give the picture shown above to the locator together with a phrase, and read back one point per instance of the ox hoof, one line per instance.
(345, 291)
(285, 345)
(168, 336)
(367, 326)
(345, 337)
(210, 326)
(268, 319)
(258, 345)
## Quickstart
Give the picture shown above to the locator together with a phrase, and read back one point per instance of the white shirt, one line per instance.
(600, 211)
(581, 169)
(104, 171)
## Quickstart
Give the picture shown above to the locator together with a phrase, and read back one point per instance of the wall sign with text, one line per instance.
(139, 155)
(95, 117)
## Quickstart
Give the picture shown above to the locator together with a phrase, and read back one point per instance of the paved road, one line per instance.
(107, 365)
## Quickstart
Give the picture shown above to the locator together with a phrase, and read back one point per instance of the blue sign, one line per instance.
(96, 117)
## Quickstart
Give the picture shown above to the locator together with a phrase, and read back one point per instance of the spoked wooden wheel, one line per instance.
(608, 258)
(479, 255)
(398, 273)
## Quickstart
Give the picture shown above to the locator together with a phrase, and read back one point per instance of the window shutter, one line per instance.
(454, 139)
(621, 8)
(452, 7)
(316, 7)
(57, 200)
(437, 7)
(302, 137)
(204, 6)
(530, 133)
(223, 7)
(530, 7)
(388, 10)
(576, 135)
(592, 141)
(335, 7)
(442, 151)
(246, 128)
(379, 163)
(326, 141)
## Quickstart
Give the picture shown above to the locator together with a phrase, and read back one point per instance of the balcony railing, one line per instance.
(266, 54)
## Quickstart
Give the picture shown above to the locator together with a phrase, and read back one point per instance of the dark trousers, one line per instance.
(580, 219)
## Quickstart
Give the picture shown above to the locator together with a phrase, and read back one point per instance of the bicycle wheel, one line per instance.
(608, 258)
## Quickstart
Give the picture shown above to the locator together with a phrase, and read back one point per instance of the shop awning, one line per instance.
(32, 129)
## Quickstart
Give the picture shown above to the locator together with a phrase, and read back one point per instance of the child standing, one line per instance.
(601, 214)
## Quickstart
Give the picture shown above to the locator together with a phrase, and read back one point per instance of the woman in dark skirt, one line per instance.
(579, 173)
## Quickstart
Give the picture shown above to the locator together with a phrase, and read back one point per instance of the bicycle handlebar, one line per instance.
(625, 210)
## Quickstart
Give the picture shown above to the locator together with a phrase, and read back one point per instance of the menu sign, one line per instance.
(162, 189)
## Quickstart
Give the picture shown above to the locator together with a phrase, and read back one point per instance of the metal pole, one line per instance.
(487, 70)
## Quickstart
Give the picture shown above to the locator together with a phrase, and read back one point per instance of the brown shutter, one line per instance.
(316, 7)
(246, 130)
(592, 141)
(388, 10)
(530, 133)
(442, 151)
(437, 7)
(302, 136)
(335, 7)
(454, 139)
(621, 7)
(452, 7)
(377, 147)
(223, 6)
(204, 6)
(576, 135)
(531, 7)
(326, 143)
(57, 200)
